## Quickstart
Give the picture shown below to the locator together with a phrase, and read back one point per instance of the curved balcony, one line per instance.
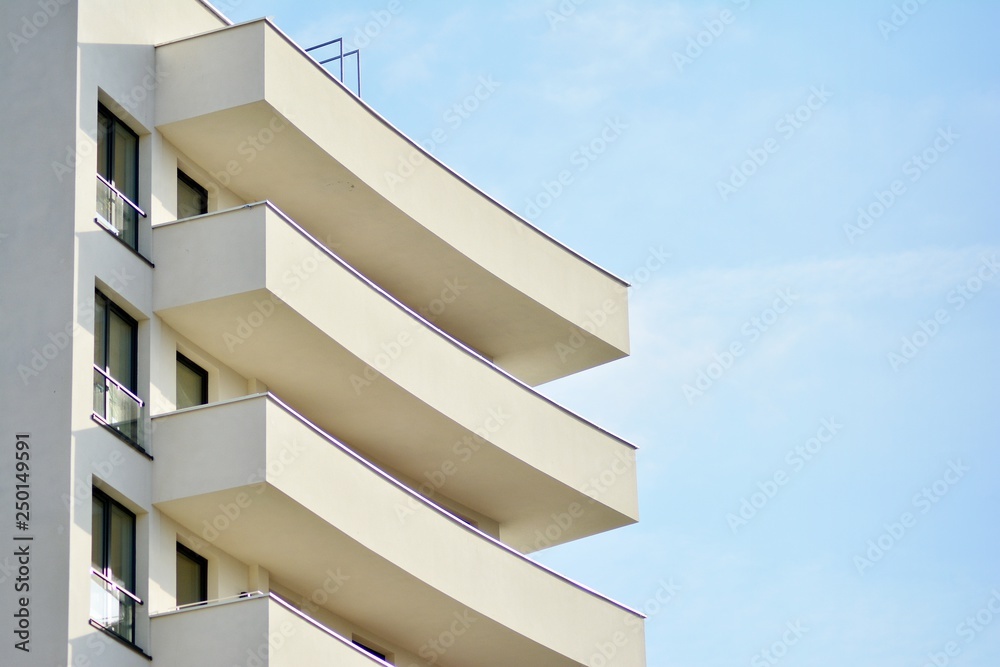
(229, 632)
(273, 304)
(252, 108)
(265, 485)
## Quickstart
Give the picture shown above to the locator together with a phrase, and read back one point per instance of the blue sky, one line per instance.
(742, 138)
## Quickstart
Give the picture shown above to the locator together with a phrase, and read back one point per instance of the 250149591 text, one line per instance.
(22, 542)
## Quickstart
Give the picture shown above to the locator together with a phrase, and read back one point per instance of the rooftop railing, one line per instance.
(341, 57)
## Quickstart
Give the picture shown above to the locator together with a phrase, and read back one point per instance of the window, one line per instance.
(192, 199)
(192, 577)
(118, 177)
(115, 343)
(192, 383)
(363, 645)
(113, 600)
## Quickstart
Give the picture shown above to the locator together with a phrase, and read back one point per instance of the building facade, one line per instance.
(268, 397)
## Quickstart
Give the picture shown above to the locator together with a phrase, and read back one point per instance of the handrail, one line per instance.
(341, 58)
(208, 604)
(116, 586)
(217, 601)
(332, 41)
(118, 384)
(121, 195)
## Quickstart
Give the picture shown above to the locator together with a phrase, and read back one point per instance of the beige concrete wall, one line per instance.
(324, 160)
(223, 382)
(323, 333)
(227, 576)
(345, 628)
(406, 574)
(258, 631)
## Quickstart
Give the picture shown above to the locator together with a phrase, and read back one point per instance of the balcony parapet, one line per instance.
(273, 303)
(239, 473)
(256, 624)
(251, 107)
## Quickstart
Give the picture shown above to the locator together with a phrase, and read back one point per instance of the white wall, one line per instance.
(37, 129)
(47, 278)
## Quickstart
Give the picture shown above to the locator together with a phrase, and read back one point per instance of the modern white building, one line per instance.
(263, 403)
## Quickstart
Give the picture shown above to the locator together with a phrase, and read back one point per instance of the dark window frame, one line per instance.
(130, 431)
(106, 516)
(198, 370)
(194, 185)
(111, 307)
(202, 563)
(368, 649)
(113, 123)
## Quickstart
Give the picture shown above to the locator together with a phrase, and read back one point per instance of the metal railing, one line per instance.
(112, 606)
(342, 56)
(119, 214)
(117, 407)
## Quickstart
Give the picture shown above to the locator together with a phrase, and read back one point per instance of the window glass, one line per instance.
(121, 349)
(118, 163)
(192, 199)
(369, 649)
(126, 161)
(105, 125)
(192, 577)
(100, 331)
(97, 544)
(113, 558)
(115, 342)
(192, 383)
(121, 547)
